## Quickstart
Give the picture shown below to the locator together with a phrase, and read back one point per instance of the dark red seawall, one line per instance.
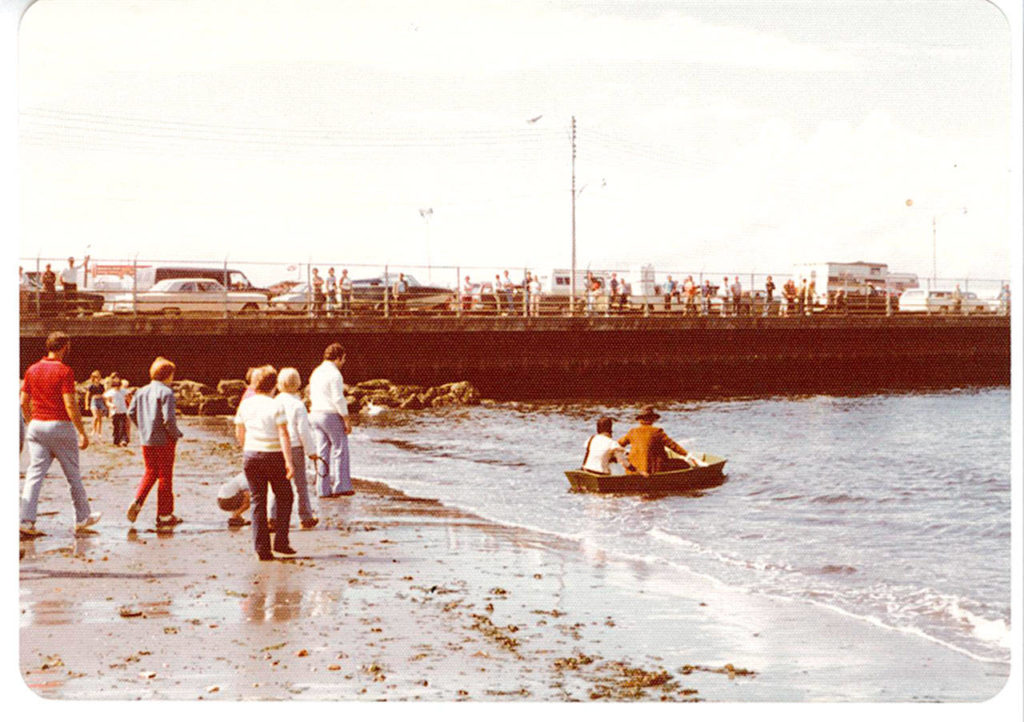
(518, 358)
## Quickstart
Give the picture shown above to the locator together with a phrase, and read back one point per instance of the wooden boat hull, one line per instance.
(667, 482)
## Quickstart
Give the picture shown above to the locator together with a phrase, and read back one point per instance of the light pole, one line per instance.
(425, 214)
(935, 217)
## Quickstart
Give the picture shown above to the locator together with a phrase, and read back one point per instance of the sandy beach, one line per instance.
(401, 598)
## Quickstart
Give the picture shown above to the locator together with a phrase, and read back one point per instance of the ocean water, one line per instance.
(894, 508)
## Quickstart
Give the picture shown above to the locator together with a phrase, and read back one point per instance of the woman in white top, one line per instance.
(114, 396)
(301, 435)
(261, 427)
(602, 450)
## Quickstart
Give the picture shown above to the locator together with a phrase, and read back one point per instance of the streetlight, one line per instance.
(935, 216)
(425, 214)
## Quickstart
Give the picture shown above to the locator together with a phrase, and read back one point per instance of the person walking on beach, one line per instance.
(261, 428)
(114, 397)
(153, 411)
(603, 450)
(329, 418)
(50, 403)
(301, 435)
(95, 402)
(647, 444)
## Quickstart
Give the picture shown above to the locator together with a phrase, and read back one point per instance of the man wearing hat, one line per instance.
(647, 444)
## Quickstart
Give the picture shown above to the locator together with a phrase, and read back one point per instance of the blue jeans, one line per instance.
(301, 486)
(510, 297)
(332, 447)
(263, 468)
(49, 440)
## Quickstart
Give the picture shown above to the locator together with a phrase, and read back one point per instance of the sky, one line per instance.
(710, 136)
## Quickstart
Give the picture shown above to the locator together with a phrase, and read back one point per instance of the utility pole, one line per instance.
(572, 272)
(933, 252)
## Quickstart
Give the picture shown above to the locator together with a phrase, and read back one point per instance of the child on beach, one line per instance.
(301, 435)
(128, 396)
(153, 412)
(95, 402)
(234, 497)
(114, 396)
(261, 427)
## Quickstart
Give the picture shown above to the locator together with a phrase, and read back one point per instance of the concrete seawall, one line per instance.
(672, 357)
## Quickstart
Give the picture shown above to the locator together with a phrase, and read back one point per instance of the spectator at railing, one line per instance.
(1004, 300)
(737, 295)
(706, 292)
(669, 289)
(723, 292)
(535, 295)
(331, 289)
(509, 287)
(769, 295)
(789, 292)
(801, 297)
(690, 292)
(467, 294)
(345, 292)
(318, 293)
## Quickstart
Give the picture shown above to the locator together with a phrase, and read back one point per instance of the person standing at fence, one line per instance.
(737, 295)
(69, 282)
(706, 292)
(467, 294)
(1004, 300)
(329, 418)
(318, 292)
(153, 411)
(331, 289)
(114, 396)
(301, 435)
(801, 297)
(95, 402)
(769, 295)
(958, 299)
(535, 293)
(690, 289)
(809, 298)
(509, 286)
(345, 292)
(669, 291)
(261, 428)
(49, 401)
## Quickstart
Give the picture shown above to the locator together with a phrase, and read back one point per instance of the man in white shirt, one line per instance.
(602, 450)
(328, 415)
(69, 282)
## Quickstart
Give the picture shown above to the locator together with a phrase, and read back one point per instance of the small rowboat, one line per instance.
(666, 482)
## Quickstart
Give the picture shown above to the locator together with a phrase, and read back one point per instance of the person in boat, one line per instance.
(602, 451)
(647, 444)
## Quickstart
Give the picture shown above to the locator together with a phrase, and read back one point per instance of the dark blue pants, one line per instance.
(263, 468)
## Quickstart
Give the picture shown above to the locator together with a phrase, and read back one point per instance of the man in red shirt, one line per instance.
(50, 404)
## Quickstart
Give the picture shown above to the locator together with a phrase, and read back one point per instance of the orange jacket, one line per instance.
(647, 447)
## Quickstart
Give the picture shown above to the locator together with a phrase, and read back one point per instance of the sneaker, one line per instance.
(165, 522)
(286, 552)
(133, 511)
(28, 528)
(90, 520)
(237, 522)
(310, 523)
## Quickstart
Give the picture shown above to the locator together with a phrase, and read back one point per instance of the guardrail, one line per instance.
(114, 287)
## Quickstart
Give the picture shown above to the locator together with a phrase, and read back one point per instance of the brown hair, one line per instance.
(57, 341)
(604, 424)
(161, 369)
(334, 351)
(264, 379)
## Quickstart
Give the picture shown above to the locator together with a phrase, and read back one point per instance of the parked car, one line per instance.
(921, 300)
(85, 302)
(188, 295)
(368, 294)
(295, 300)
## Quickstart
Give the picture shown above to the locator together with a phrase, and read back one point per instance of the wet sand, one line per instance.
(399, 598)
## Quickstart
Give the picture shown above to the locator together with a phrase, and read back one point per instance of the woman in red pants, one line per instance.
(152, 411)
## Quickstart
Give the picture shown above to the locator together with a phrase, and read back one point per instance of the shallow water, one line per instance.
(894, 508)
